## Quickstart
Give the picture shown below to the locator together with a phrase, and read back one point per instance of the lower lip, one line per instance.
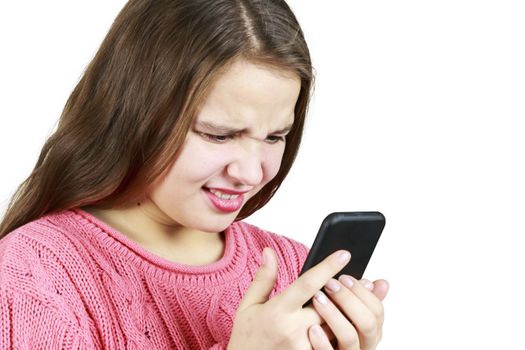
(225, 205)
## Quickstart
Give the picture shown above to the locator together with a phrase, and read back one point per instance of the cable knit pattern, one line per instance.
(70, 281)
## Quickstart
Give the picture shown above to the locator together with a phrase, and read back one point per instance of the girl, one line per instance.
(127, 234)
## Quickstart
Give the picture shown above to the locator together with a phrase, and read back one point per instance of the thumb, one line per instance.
(263, 282)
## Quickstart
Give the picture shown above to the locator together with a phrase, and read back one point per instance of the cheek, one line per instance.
(272, 162)
(197, 162)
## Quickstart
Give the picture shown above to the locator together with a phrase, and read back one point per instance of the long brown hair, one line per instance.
(128, 116)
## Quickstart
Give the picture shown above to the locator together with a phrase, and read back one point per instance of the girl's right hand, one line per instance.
(281, 322)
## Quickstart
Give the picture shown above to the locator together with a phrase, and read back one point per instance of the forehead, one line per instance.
(246, 93)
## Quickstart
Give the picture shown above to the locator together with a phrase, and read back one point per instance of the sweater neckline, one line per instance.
(227, 268)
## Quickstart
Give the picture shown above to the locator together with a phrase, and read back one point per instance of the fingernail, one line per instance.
(321, 298)
(333, 286)
(343, 257)
(368, 285)
(346, 280)
(318, 331)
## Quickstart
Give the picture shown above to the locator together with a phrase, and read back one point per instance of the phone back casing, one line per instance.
(357, 232)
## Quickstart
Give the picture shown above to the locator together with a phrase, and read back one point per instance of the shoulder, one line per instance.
(37, 254)
(37, 286)
(34, 239)
(25, 244)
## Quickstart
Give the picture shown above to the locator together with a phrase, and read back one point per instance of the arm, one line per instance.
(30, 323)
(32, 315)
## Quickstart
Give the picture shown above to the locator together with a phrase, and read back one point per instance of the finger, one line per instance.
(263, 282)
(367, 284)
(318, 338)
(310, 316)
(328, 331)
(381, 288)
(299, 292)
(362, 307)
(367, 297)
(345, 333)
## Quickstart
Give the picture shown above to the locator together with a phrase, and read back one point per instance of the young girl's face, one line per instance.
(233, 149)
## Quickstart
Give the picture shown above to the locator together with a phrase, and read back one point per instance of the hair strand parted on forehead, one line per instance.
(129, 114)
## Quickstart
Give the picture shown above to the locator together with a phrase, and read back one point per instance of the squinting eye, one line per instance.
(217, 138)
(274, 139)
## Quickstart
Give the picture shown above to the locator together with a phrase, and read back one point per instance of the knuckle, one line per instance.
(369, 326)
(350, 341)
(309, 284)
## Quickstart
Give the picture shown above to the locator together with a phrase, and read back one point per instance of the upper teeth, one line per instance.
(223, 195)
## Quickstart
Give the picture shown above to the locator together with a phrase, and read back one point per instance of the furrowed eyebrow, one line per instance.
(221, 129)
(286, 130)
(226, 130)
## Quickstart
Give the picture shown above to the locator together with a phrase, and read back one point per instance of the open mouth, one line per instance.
(224, 200)
(222, 195)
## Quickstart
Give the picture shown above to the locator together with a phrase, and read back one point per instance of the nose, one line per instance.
(247, 167)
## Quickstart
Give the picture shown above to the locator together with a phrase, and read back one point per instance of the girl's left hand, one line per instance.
(353, 312)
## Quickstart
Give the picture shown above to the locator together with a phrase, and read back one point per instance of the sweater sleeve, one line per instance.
(30, 317)
(26, 323)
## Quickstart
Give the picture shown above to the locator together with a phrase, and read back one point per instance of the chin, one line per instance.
(215, 225)
(213, 229)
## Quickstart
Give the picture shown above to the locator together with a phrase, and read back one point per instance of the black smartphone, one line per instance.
(357, 232)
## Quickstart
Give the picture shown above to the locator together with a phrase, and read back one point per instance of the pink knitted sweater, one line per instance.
(69, 281)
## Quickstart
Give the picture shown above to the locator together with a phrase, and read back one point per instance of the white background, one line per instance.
(416, 114)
